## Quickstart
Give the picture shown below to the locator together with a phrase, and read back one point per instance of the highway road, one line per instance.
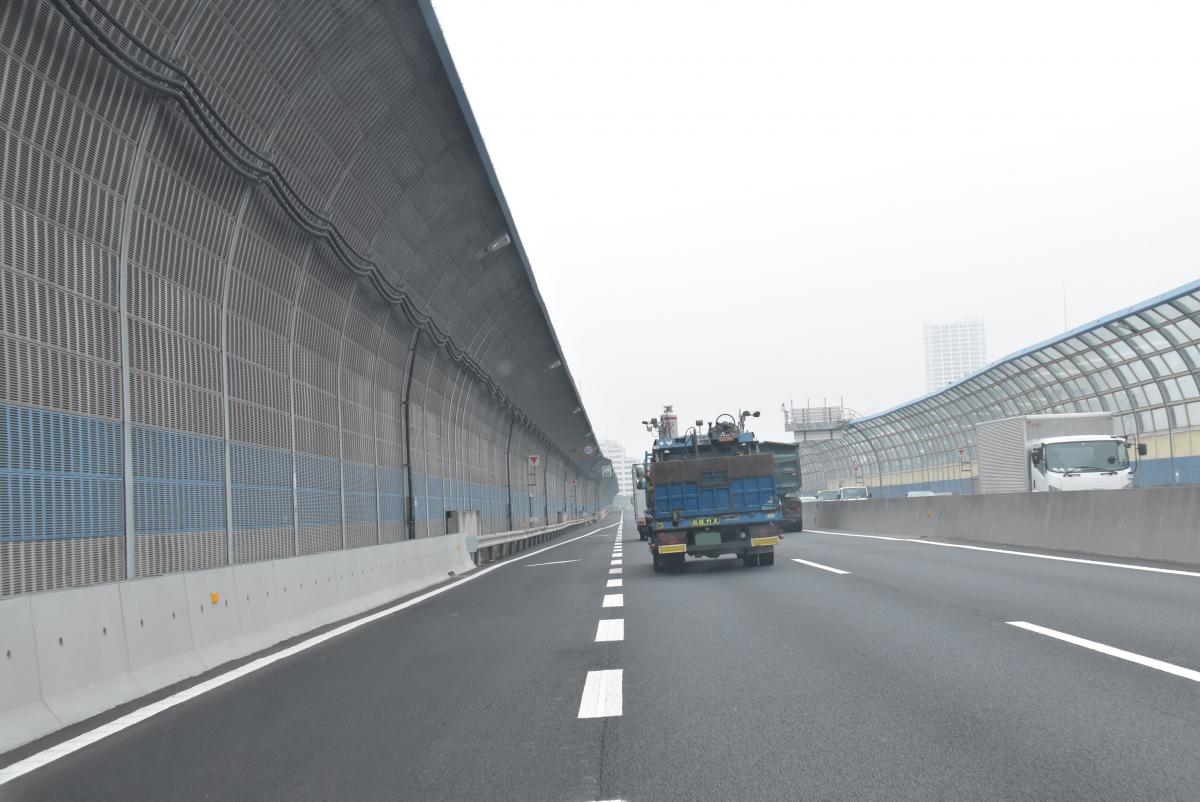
(855, 668)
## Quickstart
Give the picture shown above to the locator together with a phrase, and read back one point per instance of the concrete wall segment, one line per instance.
(123, 640)
(1155, 523)
(23, 713)
(158, 634)
(83, 661)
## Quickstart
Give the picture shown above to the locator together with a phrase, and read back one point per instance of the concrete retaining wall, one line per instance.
(70, 654)
(1153, 523)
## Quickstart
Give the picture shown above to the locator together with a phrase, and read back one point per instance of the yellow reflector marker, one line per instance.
(764, 541)
(673, 549)
(216, 597)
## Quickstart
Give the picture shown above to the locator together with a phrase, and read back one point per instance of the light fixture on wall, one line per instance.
(502, 241)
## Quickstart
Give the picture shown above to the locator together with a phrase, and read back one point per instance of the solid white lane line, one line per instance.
(610, 629)
(614, 600)
(614, 570)
(53, 753)
(853, 534)
(601, 694)
(615, 562)
(1142, 660)
(555, 562)
(613, 583)
(1103, 563)
(1014, 553)
(818, 565)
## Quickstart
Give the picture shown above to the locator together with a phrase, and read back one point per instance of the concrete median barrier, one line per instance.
(1153, 523)
(67, 655)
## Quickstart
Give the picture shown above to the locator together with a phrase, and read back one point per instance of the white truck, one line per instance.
(1035, 453)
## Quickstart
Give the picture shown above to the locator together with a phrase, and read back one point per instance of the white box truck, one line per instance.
(1035, 453)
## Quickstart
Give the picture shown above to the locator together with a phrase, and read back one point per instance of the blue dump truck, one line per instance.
(710, 495)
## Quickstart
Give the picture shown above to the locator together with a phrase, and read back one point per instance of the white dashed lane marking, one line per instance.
(610, 629)
(614, 583)
(613, 600)
(602, 696)
(818, 565)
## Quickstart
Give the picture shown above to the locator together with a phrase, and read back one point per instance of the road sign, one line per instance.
(607, 470)
(572, 483)
(533, 460)
(589, 450)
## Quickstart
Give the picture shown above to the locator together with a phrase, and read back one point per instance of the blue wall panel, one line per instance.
(179, 482)
(60, 475)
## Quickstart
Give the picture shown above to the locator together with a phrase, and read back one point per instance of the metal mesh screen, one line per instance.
(170, 328)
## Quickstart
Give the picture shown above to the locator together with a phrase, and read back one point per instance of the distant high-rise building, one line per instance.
(621, 463)
(952, 351)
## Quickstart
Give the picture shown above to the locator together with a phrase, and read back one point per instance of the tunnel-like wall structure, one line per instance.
(1140, 363)
(260, 294)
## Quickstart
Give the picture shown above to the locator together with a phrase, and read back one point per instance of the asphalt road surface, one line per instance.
(910, 670)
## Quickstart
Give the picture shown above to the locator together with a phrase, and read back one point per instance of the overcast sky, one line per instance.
(736, 204)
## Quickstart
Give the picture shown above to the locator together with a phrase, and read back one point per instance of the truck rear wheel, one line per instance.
(750, 560)
(766, 559)
(658, 563)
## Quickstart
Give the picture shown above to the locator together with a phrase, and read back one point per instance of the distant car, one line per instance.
(808, 499)
(829, 495)
(855, 494)
(919, 494)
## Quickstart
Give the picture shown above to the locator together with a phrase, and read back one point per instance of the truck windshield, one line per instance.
(828, 495)
(854, 492)
(1085, 456)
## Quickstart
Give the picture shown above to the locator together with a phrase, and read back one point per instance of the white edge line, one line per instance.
(853, 534)
(818, 565)
(1014, 553)
(555, 562)
(53, 753)
(1132, 657)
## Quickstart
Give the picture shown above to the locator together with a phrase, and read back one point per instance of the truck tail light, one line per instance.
(671, 539)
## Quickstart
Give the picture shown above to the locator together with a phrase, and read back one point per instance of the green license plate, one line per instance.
(705, 521)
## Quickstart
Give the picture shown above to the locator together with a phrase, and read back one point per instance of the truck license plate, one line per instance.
(705, 521)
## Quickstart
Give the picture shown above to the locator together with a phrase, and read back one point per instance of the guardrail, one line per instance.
(488, 548)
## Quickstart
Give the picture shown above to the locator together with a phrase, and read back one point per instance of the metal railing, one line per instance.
(487, 548)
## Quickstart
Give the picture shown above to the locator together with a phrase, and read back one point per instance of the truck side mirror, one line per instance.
(641, 485)
(1142, 450)
(1038, 453)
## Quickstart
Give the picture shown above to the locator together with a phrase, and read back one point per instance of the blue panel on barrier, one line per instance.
(360, 492)
(262, 486)
(60, 475)
(179, 481)
(392, 494)
(318, 481)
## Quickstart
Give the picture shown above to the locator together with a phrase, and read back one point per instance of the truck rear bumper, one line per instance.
(755, 545)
